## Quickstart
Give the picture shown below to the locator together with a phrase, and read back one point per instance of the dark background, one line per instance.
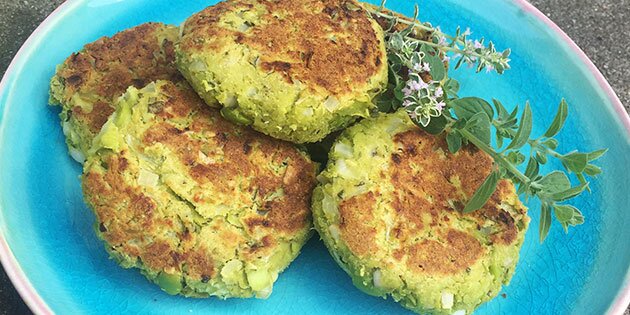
(600, 27)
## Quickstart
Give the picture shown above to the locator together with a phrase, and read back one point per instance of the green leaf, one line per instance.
(499, 140)
(551, 143)
(502, 113)
(467, 107)
(513, 113)
(569, 193)
(596, 154)
(396, 41)
(398, 93)
(563, 213)
(436, 126)
(575, 162)
(592, 170)
(483, 193)
(432, 57)
(559, 120)
(516, 158)
(554, 182)
(532, 168)
(582, 180)
(479, 126)
(454, 142)
(459, 62)
(524, 130)
(384, 105)
(507, 124)
(522, 188)
(541, 158)
(568, 215)
(545, 222)
(451, 87)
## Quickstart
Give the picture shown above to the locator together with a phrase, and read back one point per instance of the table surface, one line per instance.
(599, 27)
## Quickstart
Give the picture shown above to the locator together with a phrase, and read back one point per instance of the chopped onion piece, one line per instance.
(308, 112)
(394, 126)
(343, 149)
(343, 170)
(252, 91)
(230, 101)
(331, 103)
(334, 232)
(447, 300)
(197, 66)
(147, 179)
(205, 159)
(329, 206)
(77, 155)
(243, 28)
(377, 278)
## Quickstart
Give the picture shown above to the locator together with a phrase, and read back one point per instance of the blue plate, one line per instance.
(50, 252)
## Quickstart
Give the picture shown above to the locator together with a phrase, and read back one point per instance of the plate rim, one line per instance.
(37, 304)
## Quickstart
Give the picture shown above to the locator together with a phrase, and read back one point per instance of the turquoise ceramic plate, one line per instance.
(50, 252)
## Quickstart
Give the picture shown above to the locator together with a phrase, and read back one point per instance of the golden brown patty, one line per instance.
(389, 208)
(202, 206)
(295, 70)
(88, 82)
(430, 187)
(324, 44)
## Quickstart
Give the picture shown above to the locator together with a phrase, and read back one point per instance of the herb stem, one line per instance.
(448, 48)
(500, 159)
(431, 29)
(407, 22)
(535, 144)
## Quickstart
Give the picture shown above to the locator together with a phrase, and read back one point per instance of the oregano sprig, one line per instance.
(419, 83)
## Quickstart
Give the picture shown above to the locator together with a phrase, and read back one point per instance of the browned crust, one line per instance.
(458, 252)
(424, 177)
(280, 38)
(470, 166)
(108, 66)
(133, 223)
(356, 214)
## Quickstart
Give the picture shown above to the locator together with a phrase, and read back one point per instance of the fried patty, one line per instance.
(88, 82)
(295, 70)
(388, 208)
(201, 206)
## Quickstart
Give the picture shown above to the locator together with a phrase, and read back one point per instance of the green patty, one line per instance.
(295, 72)
(202, 207)
(388, 208)
(88, 83)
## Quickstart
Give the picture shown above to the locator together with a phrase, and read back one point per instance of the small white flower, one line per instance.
(440, 106)
(413, 115)
(477, 44)
(439, 92)
(418, 85)
(407, 91)
(489, 68)
(467, 32)
(426, 67)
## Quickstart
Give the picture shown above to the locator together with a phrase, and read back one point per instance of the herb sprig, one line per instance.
(420, 85)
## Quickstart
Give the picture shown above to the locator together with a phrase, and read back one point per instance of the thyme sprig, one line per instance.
(466, 51)
(420, 85)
